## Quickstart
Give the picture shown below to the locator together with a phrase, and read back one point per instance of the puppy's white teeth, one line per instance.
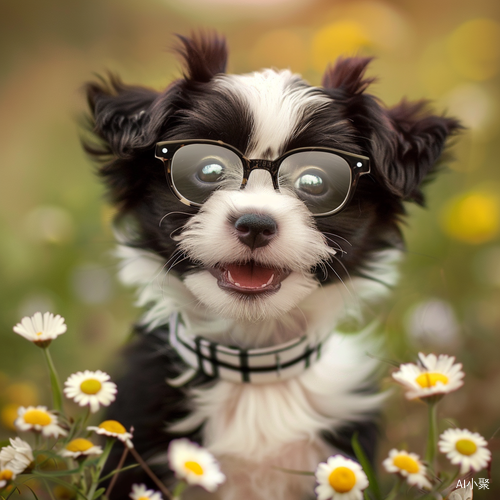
(237, 284)
(230, 278)
(269, 281)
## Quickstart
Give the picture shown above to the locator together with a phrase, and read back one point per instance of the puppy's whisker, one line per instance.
(336, 245)
(340, 278)
(171, 213)
(337, 236)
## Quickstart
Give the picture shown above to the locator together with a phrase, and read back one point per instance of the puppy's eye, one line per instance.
(311, 183)
(212, 172)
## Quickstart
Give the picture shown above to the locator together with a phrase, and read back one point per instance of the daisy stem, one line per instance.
(395, 489)
(178, 490)
(98, 468)
(86, 418)
(54, 381)
(430, 455)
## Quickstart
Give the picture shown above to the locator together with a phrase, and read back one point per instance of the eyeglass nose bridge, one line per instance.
(269, 165)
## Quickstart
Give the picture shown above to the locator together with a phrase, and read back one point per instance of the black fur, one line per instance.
(404, 144)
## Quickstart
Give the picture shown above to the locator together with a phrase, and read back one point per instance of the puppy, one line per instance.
(254, 213)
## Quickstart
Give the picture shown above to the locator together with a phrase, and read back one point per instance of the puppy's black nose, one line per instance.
(255, 230)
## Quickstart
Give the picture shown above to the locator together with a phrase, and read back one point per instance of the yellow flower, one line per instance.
(432, 376)
(473, 217)
(409, 466)
(41, 330)
(340, 479)
(78, 447)
(140, 492)
(90, 388)
(113, 428)
(40, 420)
(6, 475)
(469, 449)
(194, 464)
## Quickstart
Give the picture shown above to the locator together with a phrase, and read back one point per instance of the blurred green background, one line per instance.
(55, 238)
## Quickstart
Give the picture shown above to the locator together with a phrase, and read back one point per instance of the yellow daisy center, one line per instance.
(404, 462)
(112, 426)
(342, 479)
(194, 467)
(466, 447)
(90, 386)
(79, 444)
(39, 333)
(429, 379)
(37, 417)
(6, 475)
(144, 498)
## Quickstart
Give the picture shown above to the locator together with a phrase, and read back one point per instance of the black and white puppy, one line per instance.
(254, 212)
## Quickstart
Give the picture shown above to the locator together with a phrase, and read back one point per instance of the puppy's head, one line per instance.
(251, 245)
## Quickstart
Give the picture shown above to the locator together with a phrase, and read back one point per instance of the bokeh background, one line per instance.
(55, 238)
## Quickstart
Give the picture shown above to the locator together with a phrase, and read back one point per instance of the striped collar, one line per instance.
(256, 366)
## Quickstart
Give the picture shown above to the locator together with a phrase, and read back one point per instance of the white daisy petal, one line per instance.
(409, 466)
(38, 419)
(140, 492)
(194, 464)
(465, 448)
(89, 388)
(80, 447)
(433, 376)
(340, 479)
(40, 329)
(17, 457)
(114, 429)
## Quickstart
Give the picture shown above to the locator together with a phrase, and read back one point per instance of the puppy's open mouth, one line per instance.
(249, 278)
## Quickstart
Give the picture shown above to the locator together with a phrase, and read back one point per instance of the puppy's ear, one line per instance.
(204, 55)
(418, 139)
(405, 143)
(119, 114)
(348, 75)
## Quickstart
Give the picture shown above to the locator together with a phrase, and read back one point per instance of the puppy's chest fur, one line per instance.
(255, 429)
(322, 265)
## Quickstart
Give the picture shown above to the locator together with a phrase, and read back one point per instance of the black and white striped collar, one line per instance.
(256, 366)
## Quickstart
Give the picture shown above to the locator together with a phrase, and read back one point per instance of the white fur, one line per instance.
(252, 428)
(278, 101)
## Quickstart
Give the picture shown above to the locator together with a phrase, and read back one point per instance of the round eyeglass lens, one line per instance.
(199, 169)
(320, 179)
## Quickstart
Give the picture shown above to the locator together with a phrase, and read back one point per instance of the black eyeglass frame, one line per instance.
(359, 165)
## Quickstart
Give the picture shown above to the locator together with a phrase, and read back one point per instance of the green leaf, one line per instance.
(373, 487)
(98, 493)
(58, 473)
(34, 494)
(117, 471)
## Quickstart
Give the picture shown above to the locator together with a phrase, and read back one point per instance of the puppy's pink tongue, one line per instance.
(250, 275)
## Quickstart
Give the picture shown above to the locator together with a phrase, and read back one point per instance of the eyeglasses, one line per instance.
(323, 178)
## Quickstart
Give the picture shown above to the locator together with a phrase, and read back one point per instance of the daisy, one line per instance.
(40, 420)
(432, 376)
(90, 388)
(39, 329)
(194, 464)
(465, 448)
(113, 428)
(409, 466)
(340, 479)
(6, 475)
(140, 492)
(17, 457)
(80, 447)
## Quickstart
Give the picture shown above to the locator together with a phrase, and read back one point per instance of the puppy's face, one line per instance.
(257, 252)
